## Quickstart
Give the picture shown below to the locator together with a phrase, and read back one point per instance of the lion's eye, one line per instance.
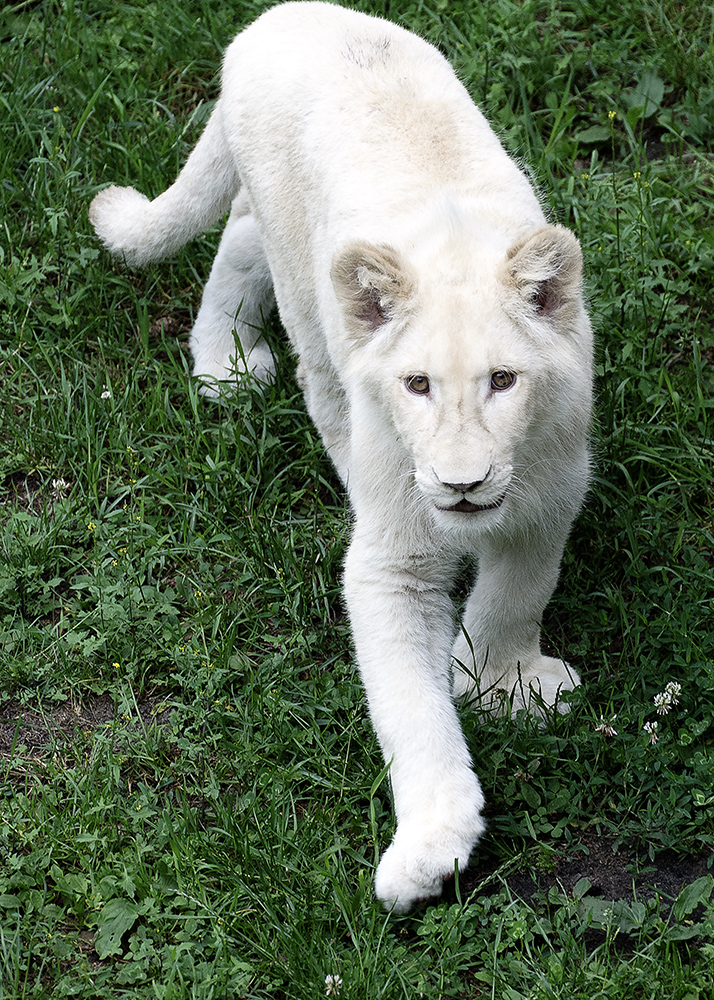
(418, 384)
(501, 380)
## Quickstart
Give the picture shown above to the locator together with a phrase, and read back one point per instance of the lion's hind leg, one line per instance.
(226, 339)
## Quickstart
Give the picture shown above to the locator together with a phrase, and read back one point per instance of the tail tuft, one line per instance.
(120, 216)
(140, 230)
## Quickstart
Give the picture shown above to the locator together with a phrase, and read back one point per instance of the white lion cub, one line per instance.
(445, 355)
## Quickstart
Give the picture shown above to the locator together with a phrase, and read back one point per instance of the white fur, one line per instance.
(400, 240)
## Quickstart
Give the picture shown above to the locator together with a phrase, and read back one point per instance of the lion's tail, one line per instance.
(141, 230)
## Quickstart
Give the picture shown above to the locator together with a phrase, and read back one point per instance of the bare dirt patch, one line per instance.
(615, 872)
(41, 730)
(24, 491)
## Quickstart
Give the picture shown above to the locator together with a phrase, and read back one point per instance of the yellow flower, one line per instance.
(611, 114)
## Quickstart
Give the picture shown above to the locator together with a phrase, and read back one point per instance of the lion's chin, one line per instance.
(465, 506)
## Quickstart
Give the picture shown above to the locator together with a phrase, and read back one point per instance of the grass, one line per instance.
(208, 825)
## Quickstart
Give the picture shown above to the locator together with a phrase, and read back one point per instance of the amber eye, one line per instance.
(418, 384)
(501, 380)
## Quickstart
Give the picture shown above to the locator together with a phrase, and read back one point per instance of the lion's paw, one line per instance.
(416, 865)
(221, 375)
(540, 686)
(537, 687)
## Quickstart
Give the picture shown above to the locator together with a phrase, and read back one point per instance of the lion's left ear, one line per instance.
(546, 269)
(373, 285)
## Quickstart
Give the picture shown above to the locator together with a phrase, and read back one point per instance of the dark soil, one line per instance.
(41, 731)
(615, 872)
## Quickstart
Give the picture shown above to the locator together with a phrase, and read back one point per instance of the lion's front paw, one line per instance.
(416, 864)
(536, 686)
(396, 888)
(540, 685)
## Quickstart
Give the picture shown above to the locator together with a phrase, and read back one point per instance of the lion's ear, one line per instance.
(546, 269)
(373, 286)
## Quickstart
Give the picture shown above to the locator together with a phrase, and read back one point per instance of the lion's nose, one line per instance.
(464, 487)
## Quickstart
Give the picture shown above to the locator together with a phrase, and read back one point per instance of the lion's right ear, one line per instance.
(373, 285)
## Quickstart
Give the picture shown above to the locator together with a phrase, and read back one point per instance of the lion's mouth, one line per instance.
(465, 506)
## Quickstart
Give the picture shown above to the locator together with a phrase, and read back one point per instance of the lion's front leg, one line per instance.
(403, 630)
(498, 651)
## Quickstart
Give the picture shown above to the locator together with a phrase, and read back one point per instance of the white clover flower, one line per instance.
(662, 703)
(605, 727)
(106, 394)
(333, 984)
(651, 729)
(59, 488)
(673, 691)
(665, 699)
